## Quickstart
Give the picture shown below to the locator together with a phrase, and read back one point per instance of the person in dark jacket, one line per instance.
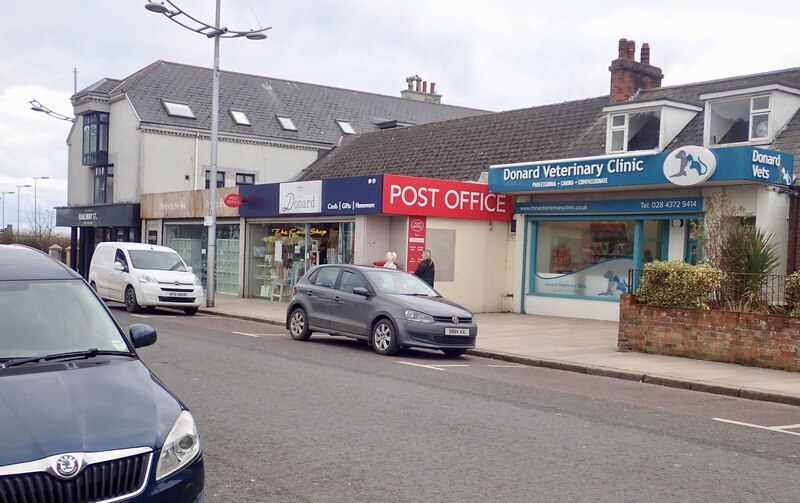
(426, 269)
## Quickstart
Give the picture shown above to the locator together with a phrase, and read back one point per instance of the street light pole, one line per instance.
(19, 193)
(4, 206)
(216, 32)
(36, 203)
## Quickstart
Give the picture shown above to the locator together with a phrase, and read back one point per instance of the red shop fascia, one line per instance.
(419, 198)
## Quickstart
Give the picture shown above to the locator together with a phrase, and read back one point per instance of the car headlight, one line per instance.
(197, 281)
(180, 448)
(146, 278)
(412, 315)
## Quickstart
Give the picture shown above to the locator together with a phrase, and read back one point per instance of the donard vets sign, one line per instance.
(684, 166)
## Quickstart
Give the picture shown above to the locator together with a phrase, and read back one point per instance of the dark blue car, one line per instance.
(82, 419)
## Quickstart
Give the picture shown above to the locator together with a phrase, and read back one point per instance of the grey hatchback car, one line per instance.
(389, 309)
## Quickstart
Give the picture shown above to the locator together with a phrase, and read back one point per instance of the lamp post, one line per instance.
(19, 193)
(36, 203)
(4, 206)
(216, 32)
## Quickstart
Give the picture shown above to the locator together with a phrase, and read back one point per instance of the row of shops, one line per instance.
(556, 238)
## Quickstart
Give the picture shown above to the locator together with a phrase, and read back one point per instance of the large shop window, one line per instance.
(278, 253)
(583, 259)
(191, 242)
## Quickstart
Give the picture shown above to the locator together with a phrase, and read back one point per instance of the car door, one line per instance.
(117, 279)
(319, 292)
(350, 312)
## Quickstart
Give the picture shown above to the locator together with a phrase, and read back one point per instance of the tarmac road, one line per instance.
(329, 420)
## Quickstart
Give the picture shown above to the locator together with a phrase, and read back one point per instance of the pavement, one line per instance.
(577, 345)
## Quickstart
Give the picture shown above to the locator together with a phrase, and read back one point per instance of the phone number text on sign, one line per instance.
(673, 204)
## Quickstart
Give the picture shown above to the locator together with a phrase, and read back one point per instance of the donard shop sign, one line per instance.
(684, 166)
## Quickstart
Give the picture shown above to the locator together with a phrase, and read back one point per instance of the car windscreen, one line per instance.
(39, 318)
(397, 282)
(156, 260)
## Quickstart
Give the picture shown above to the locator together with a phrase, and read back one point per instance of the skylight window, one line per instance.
(240, 117)
(286, 123)
(345, 127)
(178, 110)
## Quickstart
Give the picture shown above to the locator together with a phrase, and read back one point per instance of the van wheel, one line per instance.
(190, 311)
(131, 304)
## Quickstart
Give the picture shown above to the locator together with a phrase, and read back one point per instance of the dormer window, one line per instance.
(286, 123)
(739, 120)
(631, 131)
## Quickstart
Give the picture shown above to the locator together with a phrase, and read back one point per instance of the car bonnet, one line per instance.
(98, 406)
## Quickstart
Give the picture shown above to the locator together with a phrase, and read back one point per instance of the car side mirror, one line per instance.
(360, 290)
(142, 335)
(189, 268)
(118, 266)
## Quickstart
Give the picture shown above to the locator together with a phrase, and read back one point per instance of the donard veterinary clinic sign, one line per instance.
(685, 166)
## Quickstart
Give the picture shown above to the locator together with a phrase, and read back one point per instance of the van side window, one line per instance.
(120, 257)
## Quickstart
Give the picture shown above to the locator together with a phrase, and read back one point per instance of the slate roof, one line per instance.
(313, 108)
(462, 149)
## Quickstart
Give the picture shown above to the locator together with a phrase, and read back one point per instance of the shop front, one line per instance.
(178, 220)
(295, 225)
(94, 224)
(577, 252)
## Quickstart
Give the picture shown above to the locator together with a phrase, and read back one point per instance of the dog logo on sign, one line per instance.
(689, 165)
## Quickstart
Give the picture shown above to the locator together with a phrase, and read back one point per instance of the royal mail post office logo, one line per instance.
(689, 165)
(417, 225)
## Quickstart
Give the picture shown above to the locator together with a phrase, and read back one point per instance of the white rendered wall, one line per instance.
(772, 216)
(677, 241)
(123, 152)
(572, 308)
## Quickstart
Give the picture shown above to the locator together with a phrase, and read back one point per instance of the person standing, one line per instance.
(426, 269)
(391, 260)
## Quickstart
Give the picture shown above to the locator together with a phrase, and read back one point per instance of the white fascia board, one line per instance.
(651, 105)
(750, 90)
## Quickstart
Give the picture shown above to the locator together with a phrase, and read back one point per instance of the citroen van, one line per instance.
(143, 275)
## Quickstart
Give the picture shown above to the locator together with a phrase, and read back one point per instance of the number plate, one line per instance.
(176, 294)
(456, 331)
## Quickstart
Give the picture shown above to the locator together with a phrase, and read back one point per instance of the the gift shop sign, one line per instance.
(406, 195)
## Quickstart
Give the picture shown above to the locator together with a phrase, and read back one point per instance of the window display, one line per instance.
(585, 259)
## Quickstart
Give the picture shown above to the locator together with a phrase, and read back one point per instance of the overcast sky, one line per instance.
(495, 55)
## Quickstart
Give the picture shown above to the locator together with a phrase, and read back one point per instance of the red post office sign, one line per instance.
(233, 200)
(407, 195)
(417, 230)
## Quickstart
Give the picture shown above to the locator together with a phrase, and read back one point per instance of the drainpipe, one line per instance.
(196, 161)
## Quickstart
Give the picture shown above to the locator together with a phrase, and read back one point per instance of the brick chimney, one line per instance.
(629, 75)
(418, 90)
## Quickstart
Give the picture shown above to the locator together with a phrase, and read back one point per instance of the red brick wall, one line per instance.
(759, 340)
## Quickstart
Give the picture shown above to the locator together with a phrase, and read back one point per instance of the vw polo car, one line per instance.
(389, 309)
(82, 418)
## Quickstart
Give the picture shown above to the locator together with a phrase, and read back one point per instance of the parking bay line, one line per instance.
(781, 429)
(432, 367)
(260, 335)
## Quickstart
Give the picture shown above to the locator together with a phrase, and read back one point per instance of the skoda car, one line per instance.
(389, 309)
(82, 419)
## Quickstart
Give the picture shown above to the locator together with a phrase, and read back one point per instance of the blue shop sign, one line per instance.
(618, 207)
(340, 196)
(685, 167)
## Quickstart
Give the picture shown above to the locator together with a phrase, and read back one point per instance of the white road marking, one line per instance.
(151, 316)
(260, 335)
(781, 429)
(423, 366)
(452, 365)
(508, 366)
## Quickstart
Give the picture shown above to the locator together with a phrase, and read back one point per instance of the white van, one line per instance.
(143, 275)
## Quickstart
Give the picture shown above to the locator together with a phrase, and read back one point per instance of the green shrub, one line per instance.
(678, 284)
(793, 292)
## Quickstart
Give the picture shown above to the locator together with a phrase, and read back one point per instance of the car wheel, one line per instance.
(190, 311)
(453, 353)
(131, 304)
(298, 325)
(384, 338)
